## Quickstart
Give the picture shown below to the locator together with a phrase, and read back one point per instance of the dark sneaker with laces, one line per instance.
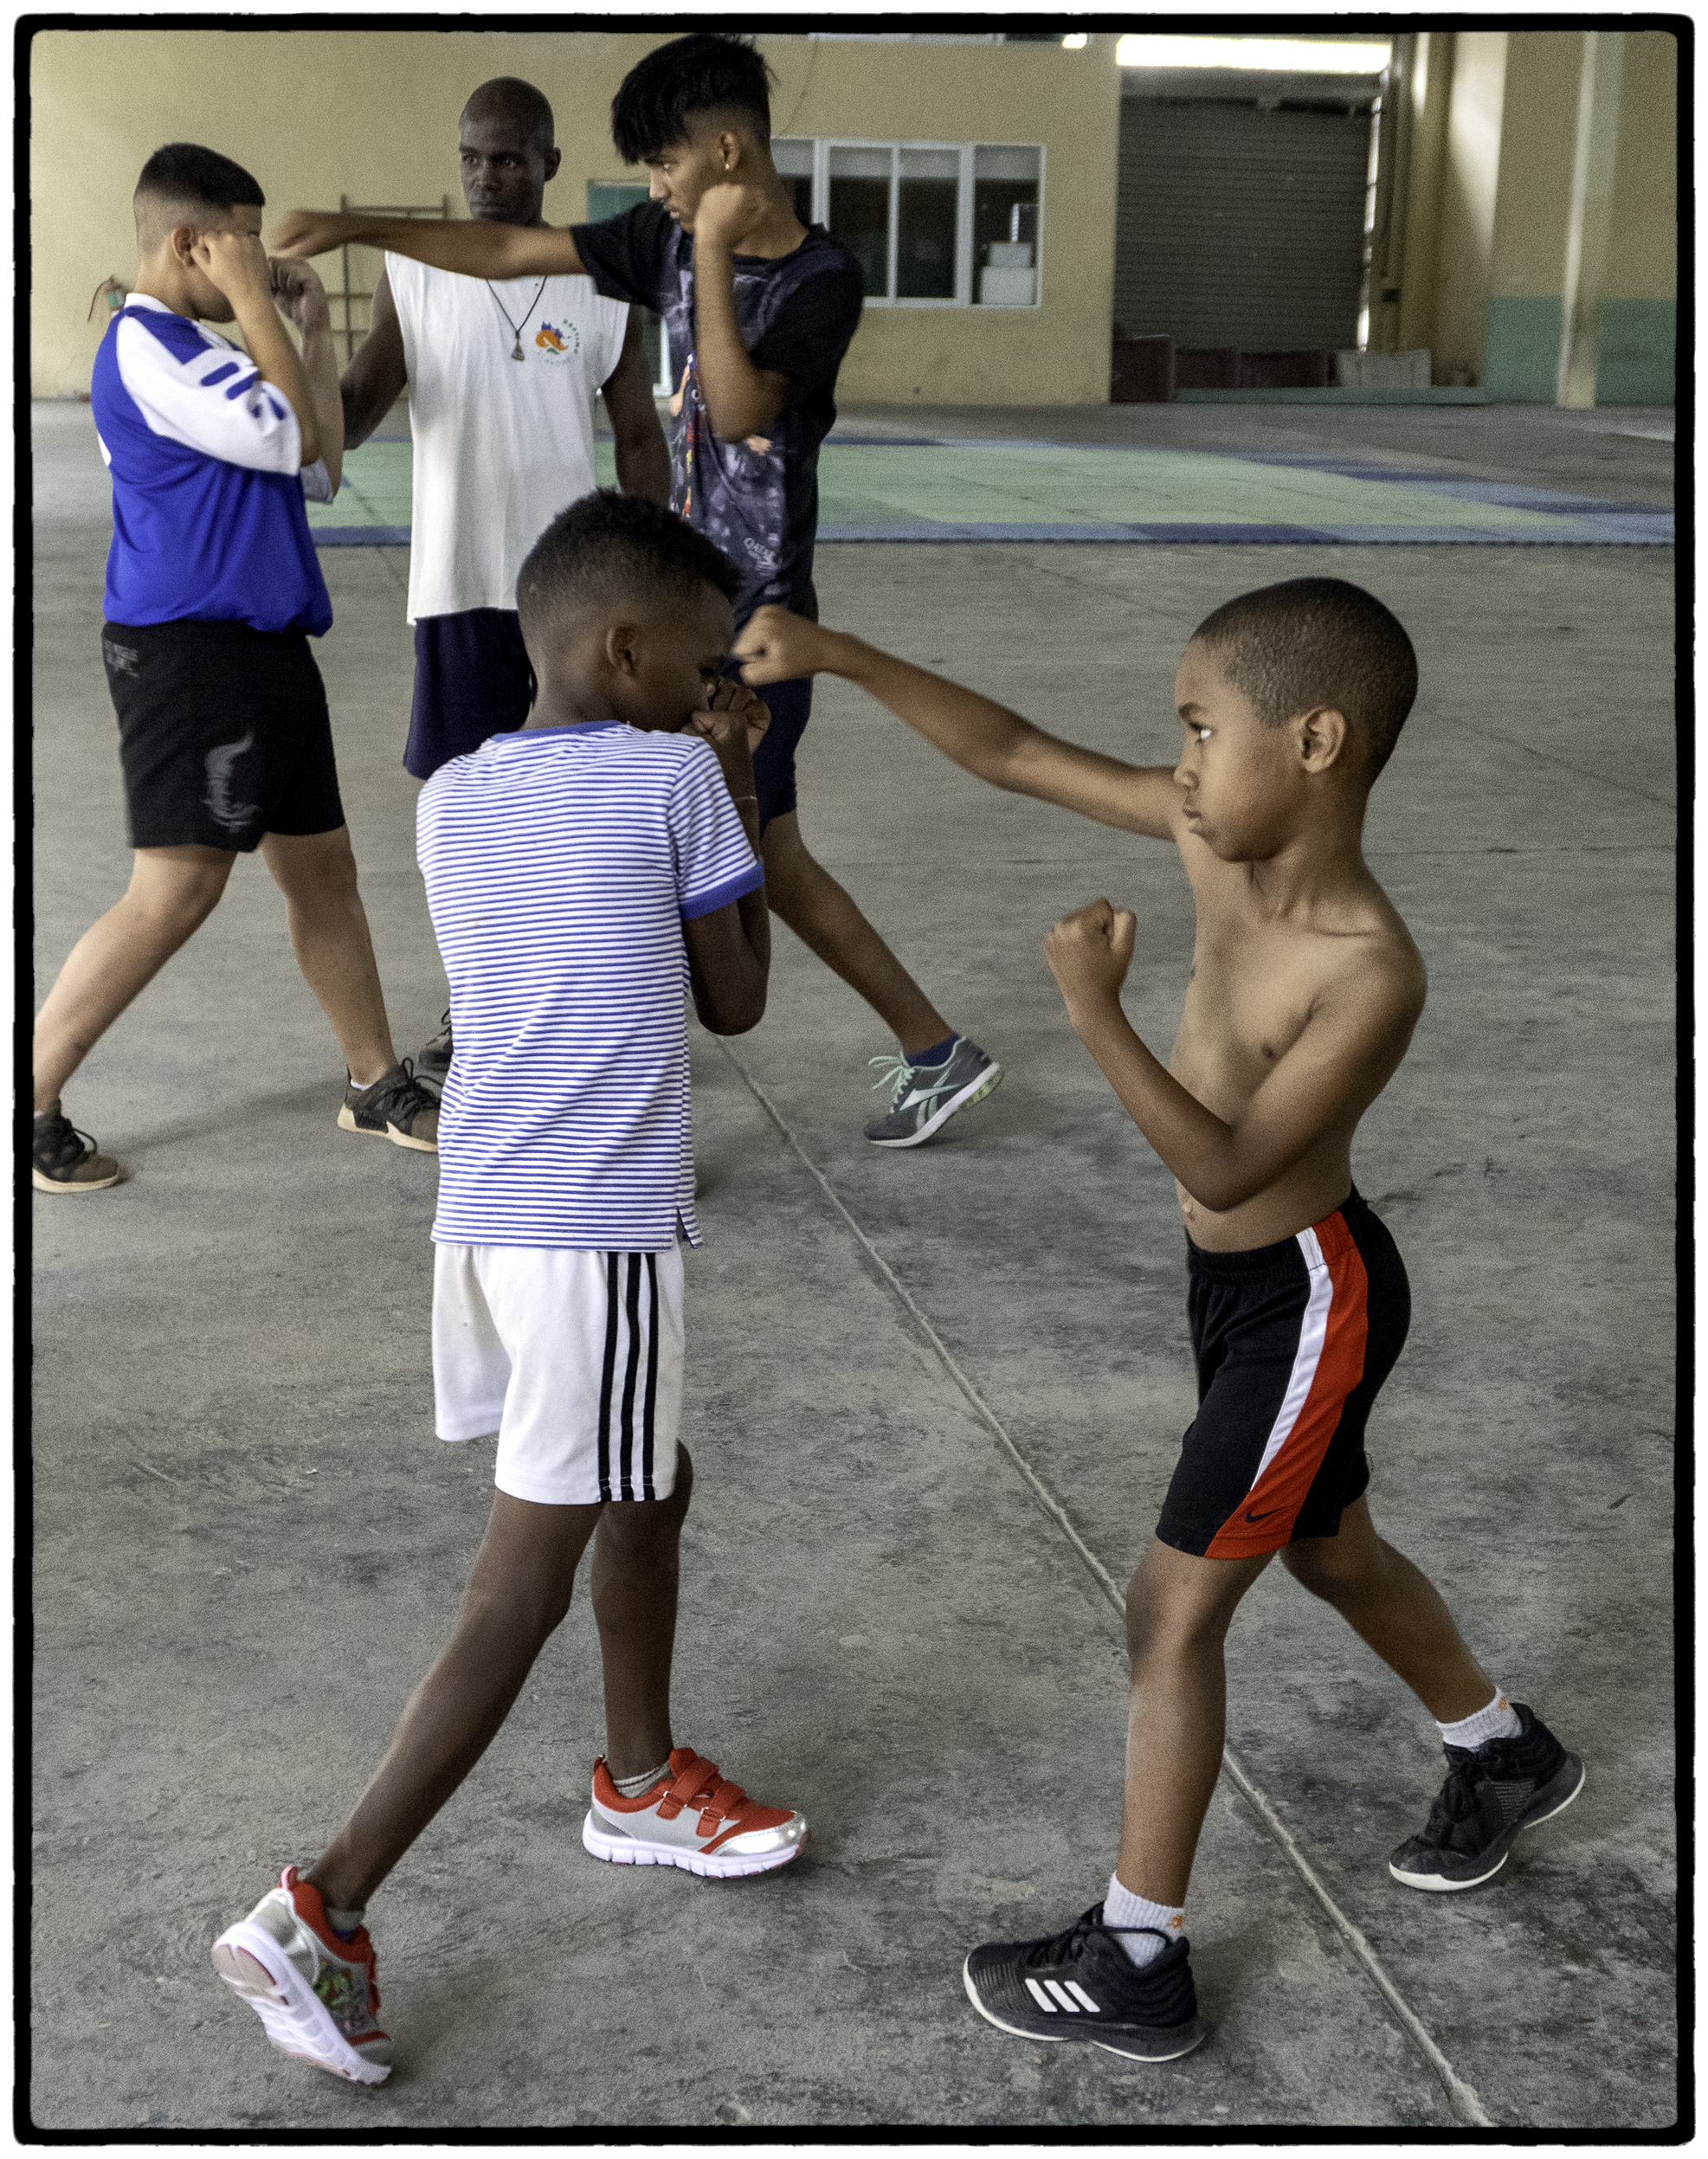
(62, 1159)
(922, 1098)
(1504, 1786)
(1083, 1985)
(433, 1063)
(397, 1107)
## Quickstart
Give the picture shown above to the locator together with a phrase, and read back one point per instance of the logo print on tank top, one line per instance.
(558, 344)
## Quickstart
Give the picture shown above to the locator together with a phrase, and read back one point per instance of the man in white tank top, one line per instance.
(501, 378)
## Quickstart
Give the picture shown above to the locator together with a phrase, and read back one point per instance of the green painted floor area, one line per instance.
(1027, 483)
(891, 490)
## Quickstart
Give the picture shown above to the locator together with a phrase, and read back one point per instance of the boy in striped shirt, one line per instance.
(1305, 986)
(584, 874)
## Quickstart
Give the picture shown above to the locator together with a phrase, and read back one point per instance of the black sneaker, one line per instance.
(397, 1107)
(62, 1159)
(433, 1063)
(1083, 1985)
(1504, 1786)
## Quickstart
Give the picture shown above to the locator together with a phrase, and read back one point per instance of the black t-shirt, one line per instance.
(757, 499)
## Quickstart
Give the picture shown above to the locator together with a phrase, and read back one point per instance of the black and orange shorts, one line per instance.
(1294, 1341)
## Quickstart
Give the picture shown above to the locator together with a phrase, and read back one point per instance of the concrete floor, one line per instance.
(249, 1543)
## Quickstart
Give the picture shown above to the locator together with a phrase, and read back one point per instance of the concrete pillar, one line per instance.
(1589, 221)
(1430, 90)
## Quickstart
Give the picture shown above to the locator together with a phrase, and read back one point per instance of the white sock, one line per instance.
(361, 1086)
(632, 1787)
(1123, 1912)
(344, 1923)
(52, 1110)
(1498, 1721)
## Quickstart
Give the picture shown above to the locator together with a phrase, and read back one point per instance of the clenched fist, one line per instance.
(1089, 953)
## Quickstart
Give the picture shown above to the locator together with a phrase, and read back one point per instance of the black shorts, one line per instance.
(1294, 1341)
(223, 734)
(791, 706)
(474, 679)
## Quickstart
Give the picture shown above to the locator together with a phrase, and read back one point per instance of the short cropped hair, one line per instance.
(609, 549)
(517, 100)
(706, 72)
(1318, 641)
(185, 176)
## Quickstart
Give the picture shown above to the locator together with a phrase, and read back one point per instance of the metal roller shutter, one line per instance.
(1238, 227)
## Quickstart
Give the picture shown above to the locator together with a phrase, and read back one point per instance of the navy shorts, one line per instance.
(473, 678)
(1294, 1341)
(791, 706)
(223, 734)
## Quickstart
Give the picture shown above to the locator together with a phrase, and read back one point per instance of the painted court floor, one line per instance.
(931, 489)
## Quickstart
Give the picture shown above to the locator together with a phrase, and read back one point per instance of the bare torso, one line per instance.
(1256, 981)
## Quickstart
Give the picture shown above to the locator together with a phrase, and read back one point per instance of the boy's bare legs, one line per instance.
(171, 892)
(1179, 1612)
(518, 1594)
(636, 1565)
(1396, 1608)
(828, 922)
(329, 929)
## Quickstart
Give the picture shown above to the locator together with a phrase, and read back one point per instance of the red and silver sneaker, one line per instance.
(315, 1994)
(693, 1817)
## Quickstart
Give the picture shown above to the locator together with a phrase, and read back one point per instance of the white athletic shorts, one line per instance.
(573, 1358)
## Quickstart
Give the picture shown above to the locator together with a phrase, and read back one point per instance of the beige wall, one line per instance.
(372, 115)
(1467, 242)
(1494, 137)
(1642, 245)
(1536, 136)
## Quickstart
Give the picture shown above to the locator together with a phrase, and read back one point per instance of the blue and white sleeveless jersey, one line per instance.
(560, 864)
(208, 481)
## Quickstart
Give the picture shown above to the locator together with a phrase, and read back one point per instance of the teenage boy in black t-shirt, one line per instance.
(760, 310)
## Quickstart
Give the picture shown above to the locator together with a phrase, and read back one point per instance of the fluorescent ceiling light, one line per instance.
(1074, 41)
(1299, 55)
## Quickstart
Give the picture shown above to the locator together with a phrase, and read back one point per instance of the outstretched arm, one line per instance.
(1346, 1053)
(472, 246)
(989, 740)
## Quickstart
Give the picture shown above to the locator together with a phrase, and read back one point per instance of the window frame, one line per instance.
(965, 272)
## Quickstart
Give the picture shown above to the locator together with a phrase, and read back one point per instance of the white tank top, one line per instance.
(501, 446)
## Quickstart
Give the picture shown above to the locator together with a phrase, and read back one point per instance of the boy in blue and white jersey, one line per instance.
(584, 874)
(213, 591)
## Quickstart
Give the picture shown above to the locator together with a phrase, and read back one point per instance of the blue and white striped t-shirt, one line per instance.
(560, 866)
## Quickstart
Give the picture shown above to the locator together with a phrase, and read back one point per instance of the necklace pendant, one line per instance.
(519, 354)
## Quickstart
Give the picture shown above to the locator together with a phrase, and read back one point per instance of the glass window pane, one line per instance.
(860, 165)
(1005, 225)
(792, 156)
(930, 165)
(1005, 161)
(860, 213)
(925, 239)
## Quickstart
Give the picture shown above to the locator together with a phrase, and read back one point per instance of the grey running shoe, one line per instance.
(924, 1097)
(694, 1818)
(314, 1993)
(62, 1159)
(1082, 1985)
(1504, 1786)
(397, 1107)
(434, 1061)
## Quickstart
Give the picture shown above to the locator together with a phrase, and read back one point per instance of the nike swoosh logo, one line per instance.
(1250, 1517)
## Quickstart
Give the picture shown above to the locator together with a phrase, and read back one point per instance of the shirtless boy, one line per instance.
(1305, 990)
